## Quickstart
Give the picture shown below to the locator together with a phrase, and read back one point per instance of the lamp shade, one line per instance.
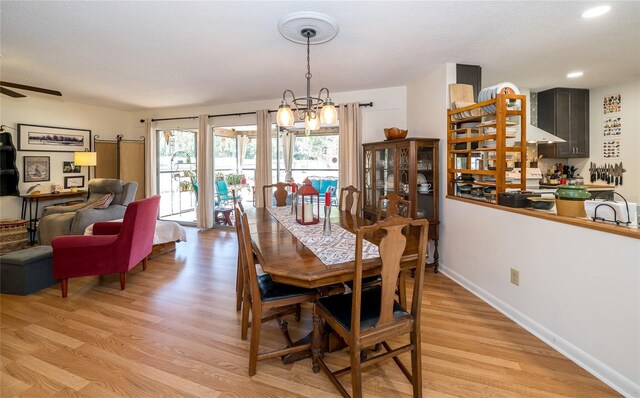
(328, 114)
(84, 158)
(312, 121)
(285, 118)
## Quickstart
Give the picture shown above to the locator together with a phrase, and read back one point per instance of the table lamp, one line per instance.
(85, 158)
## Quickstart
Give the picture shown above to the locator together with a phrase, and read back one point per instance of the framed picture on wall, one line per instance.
(69, 167)
(74, 182)
(37, 168)
(52, 139)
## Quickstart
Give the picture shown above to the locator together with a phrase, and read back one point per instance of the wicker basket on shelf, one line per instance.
(13, 235)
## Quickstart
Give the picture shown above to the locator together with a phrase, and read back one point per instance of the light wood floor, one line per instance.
(174, 332)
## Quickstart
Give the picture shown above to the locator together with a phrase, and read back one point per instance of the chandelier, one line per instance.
(313, 110)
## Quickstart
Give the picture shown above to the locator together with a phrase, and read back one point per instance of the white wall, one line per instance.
(427, 100)
(40, 110)
(579, 288)
(630, 147)
(389, 110)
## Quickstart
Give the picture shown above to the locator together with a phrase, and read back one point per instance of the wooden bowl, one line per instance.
(395, 133)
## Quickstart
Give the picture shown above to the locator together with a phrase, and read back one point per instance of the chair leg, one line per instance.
(416, 364)
(356, 373)
(254, 344)
(239, 285)
(64, 286)
(246, 305)
(123, 280)
(402, 289)
(144, 264)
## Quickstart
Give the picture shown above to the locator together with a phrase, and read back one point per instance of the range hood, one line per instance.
(539, 136)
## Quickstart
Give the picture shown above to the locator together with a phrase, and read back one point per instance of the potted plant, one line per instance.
(235, 179)
(186, 186)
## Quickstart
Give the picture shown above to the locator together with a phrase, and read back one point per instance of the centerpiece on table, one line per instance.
(308, 204)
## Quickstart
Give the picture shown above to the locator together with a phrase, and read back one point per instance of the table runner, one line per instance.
(338, 248)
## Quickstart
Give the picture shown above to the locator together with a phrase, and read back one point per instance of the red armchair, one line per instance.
(113, 247)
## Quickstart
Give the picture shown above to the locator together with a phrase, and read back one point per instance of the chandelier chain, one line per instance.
(308, 75)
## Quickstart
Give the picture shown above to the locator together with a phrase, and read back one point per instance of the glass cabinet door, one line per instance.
(369, 187)
(403, 173)
(385, 170)
(425, 204)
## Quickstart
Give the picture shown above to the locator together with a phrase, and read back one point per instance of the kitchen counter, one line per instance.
(590, 187)
(631, 232)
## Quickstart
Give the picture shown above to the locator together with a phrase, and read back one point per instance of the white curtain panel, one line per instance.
(263, 155)
(288, 146)
(242, 141)
(350, 117)
(150, 148)
(204, 156)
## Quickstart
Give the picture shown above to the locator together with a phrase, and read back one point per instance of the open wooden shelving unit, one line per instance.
(510, 108)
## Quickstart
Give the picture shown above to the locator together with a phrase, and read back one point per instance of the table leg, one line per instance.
(227, 218)
(316, 342)
(435, 256)
(32, 222)
(297, 356)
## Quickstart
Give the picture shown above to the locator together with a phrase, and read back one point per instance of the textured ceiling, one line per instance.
(137, 54)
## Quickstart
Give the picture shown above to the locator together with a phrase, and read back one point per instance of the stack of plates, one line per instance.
(491, 92)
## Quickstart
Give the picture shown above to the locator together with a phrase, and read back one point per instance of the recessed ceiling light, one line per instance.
(596, 11)
(574, 74)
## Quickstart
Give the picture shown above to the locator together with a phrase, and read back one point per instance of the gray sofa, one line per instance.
(73, 220)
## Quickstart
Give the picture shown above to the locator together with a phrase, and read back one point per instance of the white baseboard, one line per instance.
(592, 365)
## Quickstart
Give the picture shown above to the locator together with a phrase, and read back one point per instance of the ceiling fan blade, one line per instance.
(31, 88)
(11, 93)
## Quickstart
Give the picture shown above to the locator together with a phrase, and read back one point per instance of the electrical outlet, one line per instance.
(515, 276)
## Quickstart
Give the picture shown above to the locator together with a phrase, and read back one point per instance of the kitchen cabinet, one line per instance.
(9, 175)
(565, 113)
(408, 168)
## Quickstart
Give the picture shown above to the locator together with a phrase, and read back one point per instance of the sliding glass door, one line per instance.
(177, 175)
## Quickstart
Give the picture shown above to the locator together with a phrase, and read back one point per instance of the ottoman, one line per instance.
(26, 271)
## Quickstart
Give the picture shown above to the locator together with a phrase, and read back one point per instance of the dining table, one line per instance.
(288, 260)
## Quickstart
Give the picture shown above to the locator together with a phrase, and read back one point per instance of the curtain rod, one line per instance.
(367, 104)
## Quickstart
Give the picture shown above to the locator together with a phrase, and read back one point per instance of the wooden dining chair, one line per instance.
(347, 200)
(281, 193)
(267, 300)
(371, 315)
(239, 272)
(402, 207)
(395, 206)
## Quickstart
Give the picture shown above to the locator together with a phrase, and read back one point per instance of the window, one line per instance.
(316, 156)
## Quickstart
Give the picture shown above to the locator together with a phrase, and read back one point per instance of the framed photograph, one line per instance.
(37, 168)
(75, 181)
(69, 167)
(52, 139)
